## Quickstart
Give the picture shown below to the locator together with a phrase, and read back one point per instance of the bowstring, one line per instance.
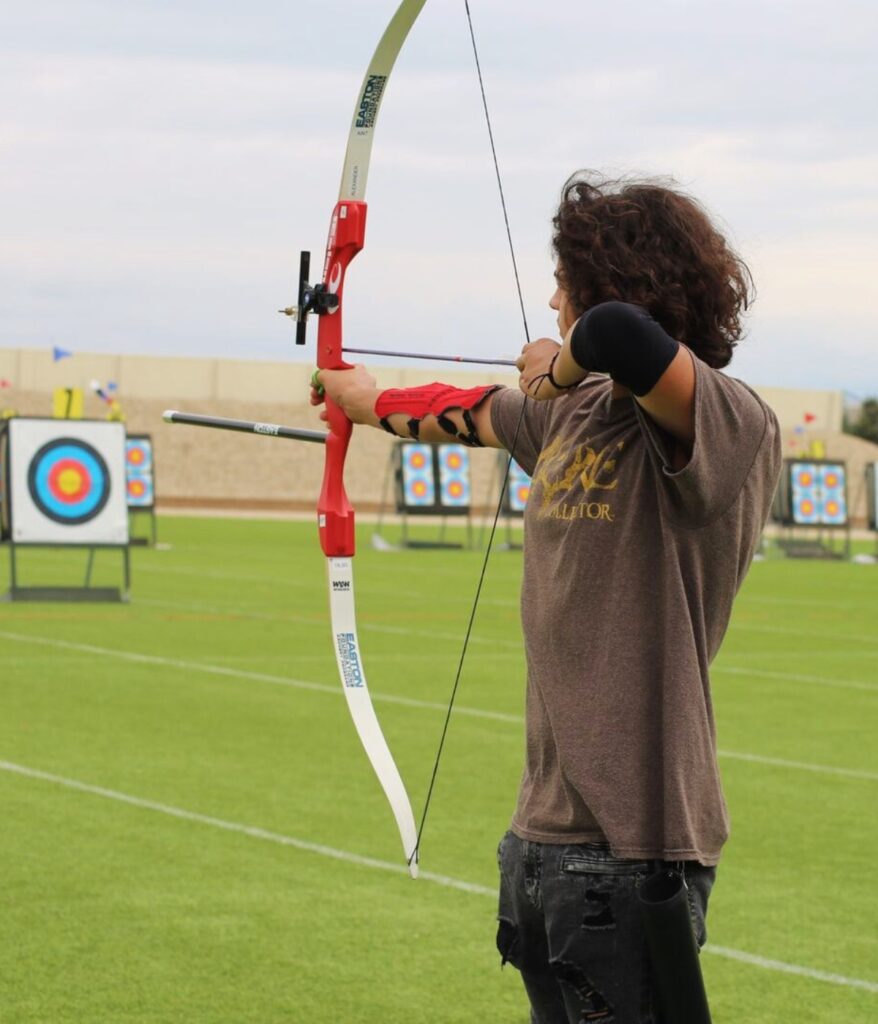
(505, 482)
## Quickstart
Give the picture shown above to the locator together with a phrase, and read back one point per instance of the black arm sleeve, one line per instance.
(625, 342)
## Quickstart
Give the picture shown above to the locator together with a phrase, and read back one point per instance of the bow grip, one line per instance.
(335, 515)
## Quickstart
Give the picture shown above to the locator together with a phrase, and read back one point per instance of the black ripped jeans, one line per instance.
(570, 922)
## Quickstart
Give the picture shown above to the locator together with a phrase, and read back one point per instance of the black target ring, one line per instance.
(69, 481)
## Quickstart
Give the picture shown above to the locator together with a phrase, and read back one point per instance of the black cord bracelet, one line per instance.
(550, 377)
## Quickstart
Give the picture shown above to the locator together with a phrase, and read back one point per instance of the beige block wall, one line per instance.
(198, 467)
(791, 405)
(201, 467)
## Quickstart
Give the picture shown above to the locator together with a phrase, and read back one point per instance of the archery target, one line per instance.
(139, 491)
(66, 482)
(806, 499)
(833, 486)
(418, 481)
(518, 488)
(454, 477)
(818, 493)
(138, 455)
(139, 482)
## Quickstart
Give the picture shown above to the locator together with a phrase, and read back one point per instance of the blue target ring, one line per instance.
(68, 481)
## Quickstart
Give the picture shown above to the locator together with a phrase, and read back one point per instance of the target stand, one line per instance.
(140, 489)
(429, 480)
(63, 487)
(811, 505)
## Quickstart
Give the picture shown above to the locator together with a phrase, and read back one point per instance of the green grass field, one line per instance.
(192, 833)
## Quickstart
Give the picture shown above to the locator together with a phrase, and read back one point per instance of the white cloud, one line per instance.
(160, 168)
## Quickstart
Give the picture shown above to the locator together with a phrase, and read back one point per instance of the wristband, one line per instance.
(551, 378)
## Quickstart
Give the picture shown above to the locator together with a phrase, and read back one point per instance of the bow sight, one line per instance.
(311, 299)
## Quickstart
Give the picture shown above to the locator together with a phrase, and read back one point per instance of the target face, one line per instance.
(67, 482)
(139, 491)
(818, 494)
(139, 469)
(454, 480)
(138, 455)
(833, 486)
(418, 483)
(518, 489)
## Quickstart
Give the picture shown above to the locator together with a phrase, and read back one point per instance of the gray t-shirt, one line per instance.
(630, 570)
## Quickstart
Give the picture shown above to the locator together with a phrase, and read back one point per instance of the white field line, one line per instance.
(794, 677)
(286, 581)
(305, 846)
(304, 620)
(516, 645)
(780, 965)
(248, 830)
(259, 677)
(804, 766)
(804, 602)
(275, 581)
(411, 702)
(808, 634)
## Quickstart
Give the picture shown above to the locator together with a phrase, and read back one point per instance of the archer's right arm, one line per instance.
(432, 412)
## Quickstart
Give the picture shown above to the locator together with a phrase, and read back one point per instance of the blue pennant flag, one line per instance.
(60, 353)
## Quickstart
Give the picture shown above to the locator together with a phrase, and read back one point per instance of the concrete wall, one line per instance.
(792, 405)
(206, 467)
(196, 467)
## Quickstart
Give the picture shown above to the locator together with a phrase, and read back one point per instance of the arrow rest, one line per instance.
(311, 299)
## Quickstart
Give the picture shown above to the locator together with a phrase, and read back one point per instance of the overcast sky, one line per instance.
(164, 162)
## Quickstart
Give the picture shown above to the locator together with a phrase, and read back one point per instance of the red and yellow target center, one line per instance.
(455, 489)
(805, 480)
(807, 507)
(136, 456)
(69, 481)
(832, 508)
(419, 488)
(136, 488)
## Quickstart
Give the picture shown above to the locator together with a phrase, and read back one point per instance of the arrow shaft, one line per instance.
(244, 426)
(422, 355)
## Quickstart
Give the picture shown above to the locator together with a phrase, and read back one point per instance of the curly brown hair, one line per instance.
(648, 243)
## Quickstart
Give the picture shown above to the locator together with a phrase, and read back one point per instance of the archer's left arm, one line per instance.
(431, 412)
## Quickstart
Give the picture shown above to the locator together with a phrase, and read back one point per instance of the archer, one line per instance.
(623, 612)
